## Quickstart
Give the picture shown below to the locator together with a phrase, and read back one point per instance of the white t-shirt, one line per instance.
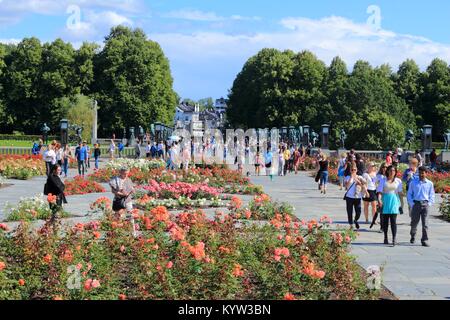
(351, 192)
(51, 157)
(386, 186)
(371, 181)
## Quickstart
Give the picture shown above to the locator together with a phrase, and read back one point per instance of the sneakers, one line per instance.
(386, 241)
(357, 225)
(412, 240)
(425, 244)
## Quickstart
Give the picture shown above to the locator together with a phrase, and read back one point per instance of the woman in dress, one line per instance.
(370, 198)
(390, 193)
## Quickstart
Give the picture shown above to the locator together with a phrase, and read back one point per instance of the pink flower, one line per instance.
(95, 283)
(169, 265)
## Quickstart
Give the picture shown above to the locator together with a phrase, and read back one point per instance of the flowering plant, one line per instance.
(186, 256)
(32, 208)
(444, 208)
(79, 185)
(177, 189)
(141, 164)
(21, 167)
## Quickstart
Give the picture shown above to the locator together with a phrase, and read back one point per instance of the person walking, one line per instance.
(258, 161)
(97, 154)
(433, 159)
(123, 189)
(389, 159)
(67, 154)
(268, 159)
(341, 170)
(80, 154)
(409, 175)
(360, 164)
(353, 196)
(59, 154)
(420, 197)
(297, 158)
(50, 158)
(148, 150)
(281, 161)
(286, 158)
(137, 149)
(153, 150)
(112, 149)
(419, 158)
(381, 175)
(370, 198)
(120, 148)
(390, 192)
(55, 186)
(88, 155)
(323, 172)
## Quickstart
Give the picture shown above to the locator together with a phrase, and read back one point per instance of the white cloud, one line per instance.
(223, 55)
(94, 25)
(197, 15)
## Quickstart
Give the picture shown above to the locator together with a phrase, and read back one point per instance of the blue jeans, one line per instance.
(81, 167)
(65, 166)
(96, 162)
(324, 178)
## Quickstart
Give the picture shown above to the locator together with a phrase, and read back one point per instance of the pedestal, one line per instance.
(445, 156)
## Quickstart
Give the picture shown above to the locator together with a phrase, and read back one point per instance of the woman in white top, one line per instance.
(353, 183)
(390, 198)
(112, 149)
(370, 198)
(50, 158)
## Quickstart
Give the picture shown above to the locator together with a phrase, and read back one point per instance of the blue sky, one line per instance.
(208, 41)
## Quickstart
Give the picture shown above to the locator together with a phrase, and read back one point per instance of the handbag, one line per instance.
(118, 202)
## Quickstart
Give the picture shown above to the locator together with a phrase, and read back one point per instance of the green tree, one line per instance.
(78, 110)
(133, 82)
(435, 100)
(84, 67)
(407, 84)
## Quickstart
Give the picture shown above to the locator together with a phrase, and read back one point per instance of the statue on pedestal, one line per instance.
(78, 131)
(447, 139)
(45, 130)
(315, 138)
(343, 137)
(132, 139)
(141, 135)
(409, 137)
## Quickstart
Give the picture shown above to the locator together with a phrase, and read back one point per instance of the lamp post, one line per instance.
(325, 136)
(306, 134)
(64, 125)
(94, 124)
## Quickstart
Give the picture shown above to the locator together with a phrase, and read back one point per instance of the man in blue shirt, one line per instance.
(268, 157)
(409, 175)
(420, 197)
(81, 155)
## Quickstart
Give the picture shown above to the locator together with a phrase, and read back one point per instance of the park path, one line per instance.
(410, 271)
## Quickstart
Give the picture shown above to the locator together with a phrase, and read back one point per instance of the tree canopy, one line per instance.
(374, 105)
(130, 77)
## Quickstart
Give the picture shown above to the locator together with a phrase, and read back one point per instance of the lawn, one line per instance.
(16, 143)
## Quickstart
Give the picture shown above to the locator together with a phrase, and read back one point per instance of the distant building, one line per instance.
(196, 121)
(221, 105)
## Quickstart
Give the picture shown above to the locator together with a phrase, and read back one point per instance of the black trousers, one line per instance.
(353, 204)
(392, 218)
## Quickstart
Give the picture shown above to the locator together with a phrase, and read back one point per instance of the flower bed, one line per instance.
(263, 208)
(444, 208)
(79, 185)
(21, 167)
(175, 190)
(141, 164)
(183, 257)
(29, 209)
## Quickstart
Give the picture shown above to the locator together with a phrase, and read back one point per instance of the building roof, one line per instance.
(186, 108)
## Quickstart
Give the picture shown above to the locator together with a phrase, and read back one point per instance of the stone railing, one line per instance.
(127, 152)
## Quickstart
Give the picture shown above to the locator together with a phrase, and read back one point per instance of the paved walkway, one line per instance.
(410, 271)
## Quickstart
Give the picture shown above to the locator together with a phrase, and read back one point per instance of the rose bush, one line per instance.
(444, 208)
(179, 257)
(29, 209)
(21, 167)
(78, 185)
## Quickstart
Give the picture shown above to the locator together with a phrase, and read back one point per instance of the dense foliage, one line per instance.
(42, 82)
(179, 257)
(374, 105)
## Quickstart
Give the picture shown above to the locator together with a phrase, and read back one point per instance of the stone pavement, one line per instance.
(410, 271)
